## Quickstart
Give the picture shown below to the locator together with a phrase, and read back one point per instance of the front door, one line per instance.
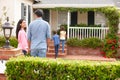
(73, 18)
(91, 18)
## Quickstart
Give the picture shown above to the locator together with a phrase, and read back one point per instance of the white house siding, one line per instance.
(82, 18)
(100, 19)
(14, 10)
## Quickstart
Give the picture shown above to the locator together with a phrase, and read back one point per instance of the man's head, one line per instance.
(38, 13)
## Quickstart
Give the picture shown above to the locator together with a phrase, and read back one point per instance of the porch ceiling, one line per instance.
(74, 3)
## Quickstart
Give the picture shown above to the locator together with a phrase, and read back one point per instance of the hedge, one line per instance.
(86, 43)
(29, 68)
(13, 41)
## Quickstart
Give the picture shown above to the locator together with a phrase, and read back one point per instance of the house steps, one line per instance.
(51, 51)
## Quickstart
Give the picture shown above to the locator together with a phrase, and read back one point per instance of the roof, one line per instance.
(73, 3)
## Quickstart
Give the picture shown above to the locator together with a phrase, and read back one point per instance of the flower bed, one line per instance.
(111, 45)
(49, 69)
(90, 46)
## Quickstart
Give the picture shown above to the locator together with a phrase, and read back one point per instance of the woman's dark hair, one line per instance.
(18, 27)
(39, 13)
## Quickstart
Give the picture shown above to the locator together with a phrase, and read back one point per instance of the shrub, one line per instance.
(81, 25)
(2, 41)
(110, 45)
(87, 42)
(13, 41)
(29, 68)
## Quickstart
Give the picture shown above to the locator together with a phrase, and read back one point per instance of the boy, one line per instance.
(56, 40)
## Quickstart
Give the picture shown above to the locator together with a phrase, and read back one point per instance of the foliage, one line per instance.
(2, 41)
(110, 46)
(13, 41)
(85, 25)
(86, 43)
(30, 68)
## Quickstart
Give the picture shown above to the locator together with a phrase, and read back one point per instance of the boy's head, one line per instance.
(54, 32)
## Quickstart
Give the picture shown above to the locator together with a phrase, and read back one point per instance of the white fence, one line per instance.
(87, 32)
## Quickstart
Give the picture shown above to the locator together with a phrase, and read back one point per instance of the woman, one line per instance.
(21, 36)
(62, 37)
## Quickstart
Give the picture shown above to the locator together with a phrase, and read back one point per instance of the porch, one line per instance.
(79, 25)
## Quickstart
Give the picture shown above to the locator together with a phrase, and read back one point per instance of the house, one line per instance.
(24, 9)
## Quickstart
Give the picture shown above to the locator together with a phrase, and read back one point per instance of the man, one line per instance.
(38, 35)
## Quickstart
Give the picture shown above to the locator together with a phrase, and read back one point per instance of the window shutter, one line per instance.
(22, 10)
(29, 14)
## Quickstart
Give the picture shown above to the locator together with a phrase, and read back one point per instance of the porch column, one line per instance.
(68, 23)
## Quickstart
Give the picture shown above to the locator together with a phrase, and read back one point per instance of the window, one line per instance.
(74, 16)
(91, 19)
(23, 11)
(26, 12)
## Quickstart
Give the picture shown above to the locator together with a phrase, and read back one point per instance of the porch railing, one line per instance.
(87, 32)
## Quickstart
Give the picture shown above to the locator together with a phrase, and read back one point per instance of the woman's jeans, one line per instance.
(63, 44)
(56, 50)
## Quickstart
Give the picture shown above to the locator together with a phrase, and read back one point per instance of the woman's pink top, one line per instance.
(22, 40)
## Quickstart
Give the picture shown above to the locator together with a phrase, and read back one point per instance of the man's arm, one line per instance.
(48, 36)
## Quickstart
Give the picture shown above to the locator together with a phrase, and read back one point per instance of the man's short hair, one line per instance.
(39, 12)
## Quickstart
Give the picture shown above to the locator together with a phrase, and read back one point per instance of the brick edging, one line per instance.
(2, 76)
